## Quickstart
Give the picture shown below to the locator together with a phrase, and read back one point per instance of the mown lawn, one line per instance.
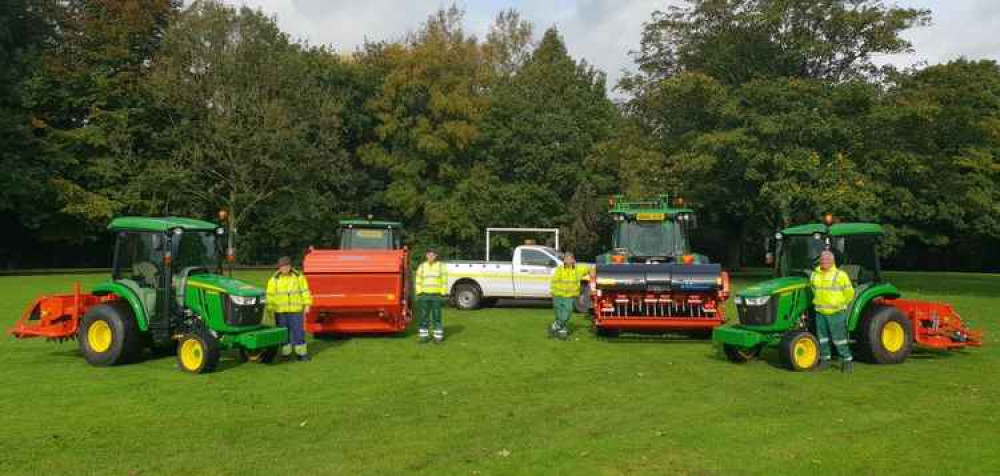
(499, 397)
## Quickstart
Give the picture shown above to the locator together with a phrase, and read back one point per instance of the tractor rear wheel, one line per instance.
(740, 355)
(885, 335)
(263, 356)
(198, 352)
(799, 351)
(467, 296)
(109, 335)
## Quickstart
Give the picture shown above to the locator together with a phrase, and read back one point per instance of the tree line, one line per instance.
(760, 113)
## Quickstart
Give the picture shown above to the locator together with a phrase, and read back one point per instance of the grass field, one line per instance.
(499, 397)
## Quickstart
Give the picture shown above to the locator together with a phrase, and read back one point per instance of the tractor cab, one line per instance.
(854, 245)
(649, 231)
(370, 235)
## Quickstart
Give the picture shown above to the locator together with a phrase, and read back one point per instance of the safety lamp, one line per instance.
(687, 259)
(223, 214)
(828, 219)
(617, 259)
(611, 202)
(679, 201)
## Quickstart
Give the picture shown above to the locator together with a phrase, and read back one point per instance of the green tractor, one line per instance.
(883, 328)
(370, 235)
(166, 290)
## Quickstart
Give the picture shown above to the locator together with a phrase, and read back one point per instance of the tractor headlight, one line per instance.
(243, 300)
(755, 301)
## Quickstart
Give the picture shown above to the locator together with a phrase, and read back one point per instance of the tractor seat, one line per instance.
(146, 296)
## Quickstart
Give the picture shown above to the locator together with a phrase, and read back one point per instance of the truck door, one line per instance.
(533, 273)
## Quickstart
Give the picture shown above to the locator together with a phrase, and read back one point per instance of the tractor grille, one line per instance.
(757, 315)
(243, 315)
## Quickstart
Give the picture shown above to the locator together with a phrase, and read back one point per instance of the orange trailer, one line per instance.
(363, 287)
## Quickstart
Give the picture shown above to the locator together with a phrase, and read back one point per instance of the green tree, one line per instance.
(253, 126)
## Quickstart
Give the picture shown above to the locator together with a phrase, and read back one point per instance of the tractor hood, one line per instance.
(224, 284)
(775, 286)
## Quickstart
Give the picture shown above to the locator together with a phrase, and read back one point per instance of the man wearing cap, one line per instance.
(565, 291)
(832, 292)
(289, 299)
(432, 290)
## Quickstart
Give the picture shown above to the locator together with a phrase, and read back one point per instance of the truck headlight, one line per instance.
(243, 300)
(756, 301)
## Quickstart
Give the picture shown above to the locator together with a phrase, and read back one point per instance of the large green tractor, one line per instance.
(883, 328)
(166, 290)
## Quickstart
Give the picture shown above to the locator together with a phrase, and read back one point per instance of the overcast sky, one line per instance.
(602, 31)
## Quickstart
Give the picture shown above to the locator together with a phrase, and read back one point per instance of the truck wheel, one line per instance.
(740, 355)
(109, 335)
(799, 351)
(885, 335)
(263, 356)
(198, 352)
(468, 297)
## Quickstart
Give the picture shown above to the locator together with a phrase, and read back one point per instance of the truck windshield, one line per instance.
(651, 239)
(366, 238)
(196, 249)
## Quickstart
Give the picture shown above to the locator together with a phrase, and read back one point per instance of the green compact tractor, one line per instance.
(370, 235)
(166, 290)
(883, 328)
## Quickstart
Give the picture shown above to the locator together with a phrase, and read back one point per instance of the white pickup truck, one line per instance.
(474, 284)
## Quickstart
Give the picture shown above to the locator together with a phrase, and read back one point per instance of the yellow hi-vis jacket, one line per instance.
(288, 293)
(432, 278)
(832, 290)
(566, 280)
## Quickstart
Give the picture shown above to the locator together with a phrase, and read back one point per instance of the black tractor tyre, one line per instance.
(872, 342)
(799, 351)
(262, 356)
(467, 297)
(740, 355)
(125, 344)
(198, 352)
(607, 333)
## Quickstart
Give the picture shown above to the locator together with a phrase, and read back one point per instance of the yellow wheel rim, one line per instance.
(192, 354)
(99, 336)
(805, 353)
(893, 336)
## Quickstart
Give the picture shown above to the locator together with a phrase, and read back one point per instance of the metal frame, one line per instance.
(554, 231)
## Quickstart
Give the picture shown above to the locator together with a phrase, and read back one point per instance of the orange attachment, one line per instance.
(55, 317)
(357, 291)
(659, 311)
(936, 325)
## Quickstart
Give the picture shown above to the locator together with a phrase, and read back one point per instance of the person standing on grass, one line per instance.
(832, 293)
(565, 289)
(432, 290)
(288, 297)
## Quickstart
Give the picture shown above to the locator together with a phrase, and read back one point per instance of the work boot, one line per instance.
(563, 334)
(423, 336)
(847, 367)
(824, 364)
(438, 336)
(553, 331)
(303, 358)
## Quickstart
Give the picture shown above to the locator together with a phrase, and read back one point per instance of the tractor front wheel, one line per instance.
(198, 352)
(740, 355)
(109, 335)
(262, 356)
(799, 351)
(885, 336)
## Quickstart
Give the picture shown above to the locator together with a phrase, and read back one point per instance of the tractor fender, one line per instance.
(864, 298)
(125, 293)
